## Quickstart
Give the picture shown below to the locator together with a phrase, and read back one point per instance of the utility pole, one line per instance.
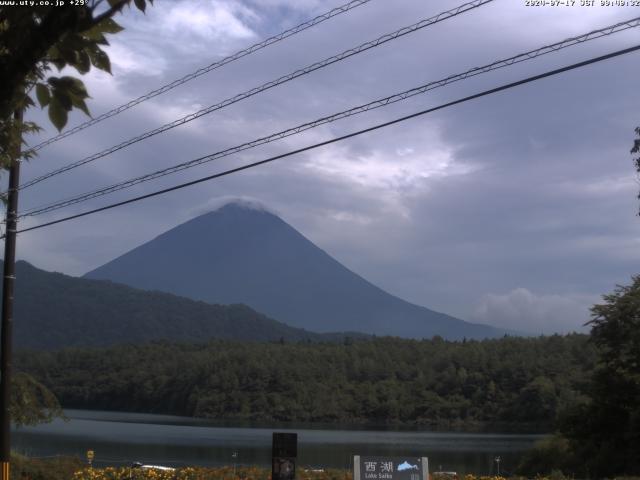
(7, 305)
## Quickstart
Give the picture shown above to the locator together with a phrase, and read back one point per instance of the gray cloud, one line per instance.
(525, 311)
(513, 208)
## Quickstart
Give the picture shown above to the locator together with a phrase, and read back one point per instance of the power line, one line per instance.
(187, 78)
(266, 86)
(611, 29)
(343, 137)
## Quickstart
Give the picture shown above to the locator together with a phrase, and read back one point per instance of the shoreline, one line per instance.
(503, 428)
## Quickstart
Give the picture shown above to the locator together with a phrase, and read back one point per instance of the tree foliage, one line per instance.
(636, 149)
(548, 455)
(511, 383)
(35, 38)
(605, 430)
(32, 402)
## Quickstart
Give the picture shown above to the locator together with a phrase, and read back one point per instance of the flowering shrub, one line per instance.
(242, 473)
(201, 473)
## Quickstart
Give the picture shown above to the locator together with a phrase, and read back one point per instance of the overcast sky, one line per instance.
(516, 210)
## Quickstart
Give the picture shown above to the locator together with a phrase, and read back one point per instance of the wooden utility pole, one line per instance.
(7, 307)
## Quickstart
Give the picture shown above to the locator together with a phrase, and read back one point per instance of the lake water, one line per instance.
(121, 438)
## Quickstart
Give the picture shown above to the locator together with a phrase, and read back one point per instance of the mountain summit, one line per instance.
(243, 254)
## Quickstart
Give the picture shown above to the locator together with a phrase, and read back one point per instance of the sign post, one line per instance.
(390, 468)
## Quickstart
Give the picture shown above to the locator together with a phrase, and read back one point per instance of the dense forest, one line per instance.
(510, 383)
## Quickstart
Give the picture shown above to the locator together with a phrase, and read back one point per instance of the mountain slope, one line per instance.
(53, 310)
(239, 254)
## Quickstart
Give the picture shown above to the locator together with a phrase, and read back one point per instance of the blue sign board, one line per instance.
(390, 468)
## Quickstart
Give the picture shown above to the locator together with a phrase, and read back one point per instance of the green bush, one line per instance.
(551, 456)
(55, 468)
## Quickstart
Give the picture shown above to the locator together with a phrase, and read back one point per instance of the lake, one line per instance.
(121, 438)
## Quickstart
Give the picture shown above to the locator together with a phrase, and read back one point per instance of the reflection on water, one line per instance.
(120, 438)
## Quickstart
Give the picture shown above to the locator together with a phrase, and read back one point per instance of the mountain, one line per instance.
(243, 254)
(53, 310)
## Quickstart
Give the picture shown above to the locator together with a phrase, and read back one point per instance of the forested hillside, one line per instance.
(511, 383)
(53, 311)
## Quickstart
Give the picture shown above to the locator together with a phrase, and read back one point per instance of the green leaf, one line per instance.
(72, 86)
(31, 127)
(63, 98)
(69, 92)
(59, 63)
(109, 25)
(57, 114)
(43, 95)
(79, 103)
(141, 4)
(54, 81)
(84, 63)
(94, 34)
(100, 59)
(67, 52)
(53, 52)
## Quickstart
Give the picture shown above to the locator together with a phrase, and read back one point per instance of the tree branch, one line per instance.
(34, 46)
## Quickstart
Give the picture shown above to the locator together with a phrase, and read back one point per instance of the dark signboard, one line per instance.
(390, 468)
(284, 450)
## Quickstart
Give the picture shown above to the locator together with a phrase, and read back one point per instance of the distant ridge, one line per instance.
(243, 253)
(53, 310)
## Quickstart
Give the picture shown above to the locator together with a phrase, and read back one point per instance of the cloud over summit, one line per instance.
(491, 210)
